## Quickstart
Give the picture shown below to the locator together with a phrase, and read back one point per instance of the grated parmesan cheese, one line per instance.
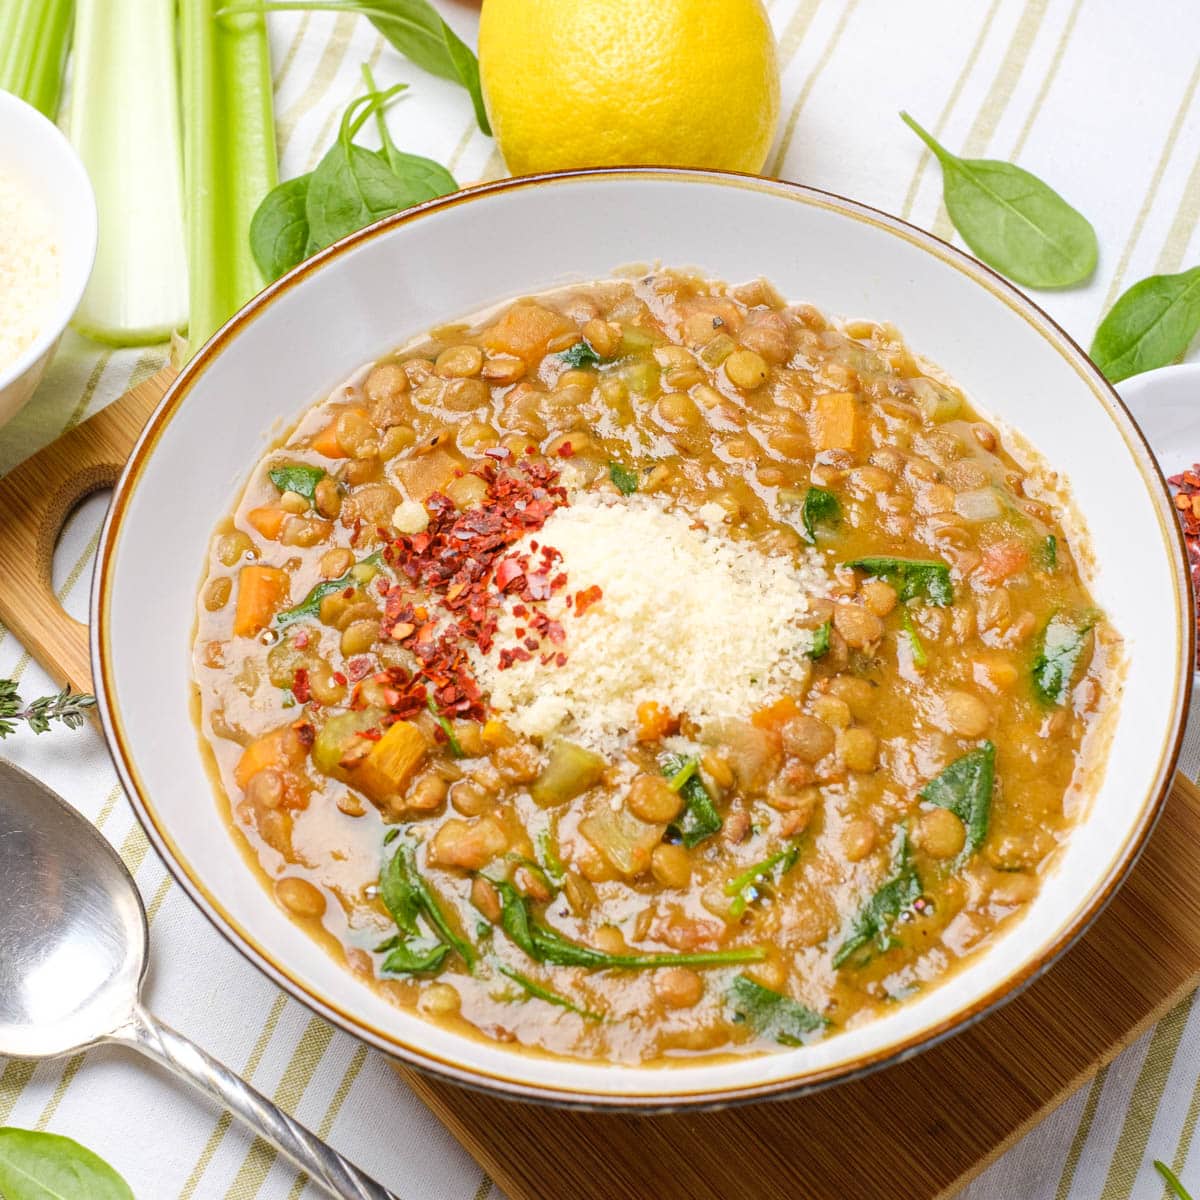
(29, 271)
(688, 618)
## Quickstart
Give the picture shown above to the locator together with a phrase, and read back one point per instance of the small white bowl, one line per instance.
(1166, 406)
(33, 150)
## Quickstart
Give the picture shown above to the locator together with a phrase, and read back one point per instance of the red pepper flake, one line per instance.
(565, 450)
(372, 735)
(358, 668)
(301, 640)
(1187, 504)
(586, 598)
(338, 677)
(300, 687)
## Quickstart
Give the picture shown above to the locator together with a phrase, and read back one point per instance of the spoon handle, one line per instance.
(320, 1162)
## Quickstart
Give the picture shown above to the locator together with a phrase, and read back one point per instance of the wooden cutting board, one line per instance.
(917, 1131)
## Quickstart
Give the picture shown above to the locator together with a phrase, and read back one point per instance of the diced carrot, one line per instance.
(326, 442)
(835, 422)
(1002, 559)
(392, 762)
(282, 749)
(525, 330)
(268, 520)
(777, 714)
(654, 722)
(262, 592)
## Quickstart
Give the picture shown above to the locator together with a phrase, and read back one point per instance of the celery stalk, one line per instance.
(35, 36)
(229, 156)
(124, 121)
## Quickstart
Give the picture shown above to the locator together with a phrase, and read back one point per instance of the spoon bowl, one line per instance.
(73, 935)
(73, 953)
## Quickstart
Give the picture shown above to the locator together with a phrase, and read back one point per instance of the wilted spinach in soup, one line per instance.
(651, 668)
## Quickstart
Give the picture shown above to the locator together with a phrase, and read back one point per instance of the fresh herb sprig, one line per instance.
(1012, 220)
(67, 707)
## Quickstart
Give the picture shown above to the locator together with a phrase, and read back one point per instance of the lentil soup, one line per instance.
(649, 669)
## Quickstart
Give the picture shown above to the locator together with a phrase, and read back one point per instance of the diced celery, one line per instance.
(570, 771)
(625, 842)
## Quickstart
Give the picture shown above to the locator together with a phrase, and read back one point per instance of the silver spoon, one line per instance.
(73, 954)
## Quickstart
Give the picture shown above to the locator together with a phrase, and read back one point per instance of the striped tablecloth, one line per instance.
(1097, 96)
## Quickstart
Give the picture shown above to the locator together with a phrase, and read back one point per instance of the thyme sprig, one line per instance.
(69, 707)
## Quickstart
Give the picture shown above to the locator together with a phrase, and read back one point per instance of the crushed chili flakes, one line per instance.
(1187, 505)
(300, 687)
(462, 560)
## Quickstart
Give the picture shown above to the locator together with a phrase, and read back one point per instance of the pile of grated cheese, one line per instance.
(688, 618)
(29, 270)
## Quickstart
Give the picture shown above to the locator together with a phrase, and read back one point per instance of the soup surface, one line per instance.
(651, 668)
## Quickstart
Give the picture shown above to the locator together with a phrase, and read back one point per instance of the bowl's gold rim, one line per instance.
(1073, 926)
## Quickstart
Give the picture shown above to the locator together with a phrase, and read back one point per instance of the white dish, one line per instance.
(454, 257)
(42, 160)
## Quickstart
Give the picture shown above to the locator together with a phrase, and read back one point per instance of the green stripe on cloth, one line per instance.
(1143, 1104)
(999, 95)
(826, 57)
(1082, 1132)
(926, 155)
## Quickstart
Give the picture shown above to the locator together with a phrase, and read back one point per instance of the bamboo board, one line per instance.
(901, 1133)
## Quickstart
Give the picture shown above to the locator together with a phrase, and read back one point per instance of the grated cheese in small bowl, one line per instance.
(29, 269)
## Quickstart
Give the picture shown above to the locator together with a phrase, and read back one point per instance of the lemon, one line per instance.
(582, 83)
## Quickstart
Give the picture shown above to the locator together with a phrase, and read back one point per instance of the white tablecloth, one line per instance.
(1098, 97)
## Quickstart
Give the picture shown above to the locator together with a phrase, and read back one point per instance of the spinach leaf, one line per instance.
(747, 886)
(1150, 325)
(700, 817)
(1012, 220)
(279, 228)
(297, 478)
(1171, 1180)
(414, 956)
(1048, 553)
(47, 1166)
(554, 865)
(772, 1014)
(820, 508)
(415, 166)
(821, 639)
(875, 919)
(310, 606)
(414, 29)
(965, 788)
(581, 354)
(547, 945)
(407, 895)
(1061, 647)
(625, 479)
(548, 994)
(352, 186)
(913, 578)
(916, 646)
(446, 728)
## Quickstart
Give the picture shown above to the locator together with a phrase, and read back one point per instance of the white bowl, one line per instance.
(448, 259)
(34, 151)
